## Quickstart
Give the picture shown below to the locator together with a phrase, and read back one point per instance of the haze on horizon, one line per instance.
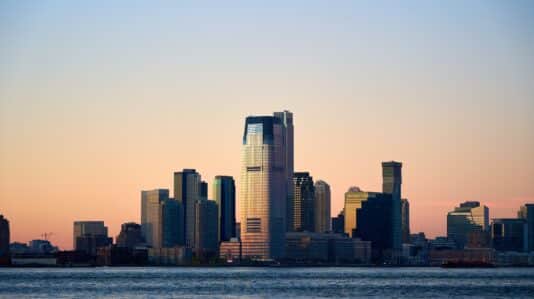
(99, 101)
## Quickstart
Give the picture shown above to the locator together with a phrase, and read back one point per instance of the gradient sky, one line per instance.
(100, 100)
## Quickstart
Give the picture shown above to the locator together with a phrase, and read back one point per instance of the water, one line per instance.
(266, 282)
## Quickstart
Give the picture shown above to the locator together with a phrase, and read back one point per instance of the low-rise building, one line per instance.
(172, 256)
(230, 251)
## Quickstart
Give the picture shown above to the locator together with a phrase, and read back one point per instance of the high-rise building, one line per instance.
(391, 184)
(130, 235)
(264, 186)
(4, 241)
(509, 234)
(203, 190)
(353, 201)
(187, 191)
(469, 217)
(172, 214)
(152, 216)
(322, 207)
(206, 228)
(527, 212)
(374, 222)
(405, 220)
(90, 235)
(302, 211)
(338, 223)
(285, 118)
(224, 195)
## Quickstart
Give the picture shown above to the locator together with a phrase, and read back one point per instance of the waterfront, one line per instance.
(265, 282)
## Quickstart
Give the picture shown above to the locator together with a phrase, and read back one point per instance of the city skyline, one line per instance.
(95, 110)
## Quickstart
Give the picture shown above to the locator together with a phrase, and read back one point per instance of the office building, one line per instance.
(203, 190)
(187, 191)
(90, 235)
(152, 216)
(338, 223)
(206, 241)
(353, 201)
(264, 187)
(391, 184)
(527, 212)
(224, 196)
(469, 217)
(285, 119)
(230, 250)
(374, 222)
(4, 241)
(130, 235)
(302, 211)
(322, 207)
(509, 234)
(405, 223)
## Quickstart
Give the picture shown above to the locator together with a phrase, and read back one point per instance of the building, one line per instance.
(90, 235)
(527, 212)
(374, 223)
(353, 201)
(509, 234)
(206, 241)
(391, 184)
(172, 228)
(187, 191)
(301, 213)
(322, 207)
(4, 241)
(469, 217)
(173, 256)
(285, 119)
(405, 220)
(203, 190)
(230, 251)
(338, 223)
(130, 236)
(264, 186)
(41, 247)
(224, 196)
(152, 216)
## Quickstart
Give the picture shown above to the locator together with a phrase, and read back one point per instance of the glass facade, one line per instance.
(224, 195)
(187, 191)
(391, 184)
(264, 188)
(302, 209)
(468, 218)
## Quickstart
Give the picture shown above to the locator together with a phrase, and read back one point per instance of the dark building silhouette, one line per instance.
(338, 223)
(391, 184)
(187, 191)
(206, 229)
(302, 212)
(130, 235)
(90, 235)
(509, 234)
(4, 241)
(405, 223)
(375, 223)
(203, 190)
(527, 212)
(224, 196)
(172, 224)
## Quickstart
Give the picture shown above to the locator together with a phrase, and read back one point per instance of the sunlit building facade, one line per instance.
(469, 217)
(264, 187)
(353, 201)
(391, 184)
(187, 191)
(322, 207)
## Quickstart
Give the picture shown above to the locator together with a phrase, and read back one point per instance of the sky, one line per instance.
(101, 100)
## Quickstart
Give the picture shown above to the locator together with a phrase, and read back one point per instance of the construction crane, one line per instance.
(45, 236)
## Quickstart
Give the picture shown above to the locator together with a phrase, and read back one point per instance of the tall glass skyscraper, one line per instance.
(187, 191)
(302, 211)
(322, 207)
(152, 216)
(224, 195)
(264, 184)
(391, 184)
(286, 119)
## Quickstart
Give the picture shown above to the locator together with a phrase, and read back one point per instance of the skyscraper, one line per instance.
(286, 120)
(527, 212)
(4, 241)
(224, 195)
(264, 186)
(187, 191)
(302, 211)
(152, 216)
(353, 201)
(405, 220)
(203, 190)
(468, 218)
(322, 206)
(206, 241)
(391, 184)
